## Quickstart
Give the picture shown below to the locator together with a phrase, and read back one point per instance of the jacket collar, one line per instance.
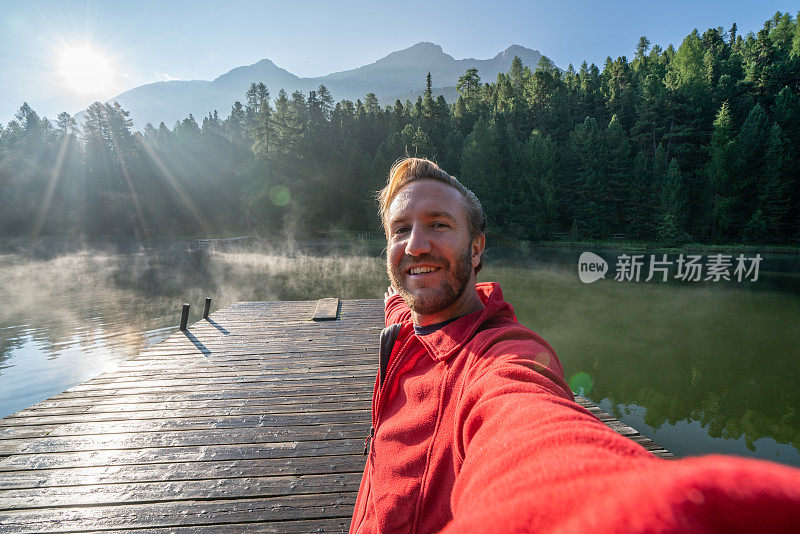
(446, 341)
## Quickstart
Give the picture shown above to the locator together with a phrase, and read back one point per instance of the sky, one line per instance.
(62, 55)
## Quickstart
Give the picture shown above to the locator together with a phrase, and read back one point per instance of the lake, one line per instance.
(700, 367)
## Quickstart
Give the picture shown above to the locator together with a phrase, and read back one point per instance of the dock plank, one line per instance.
(185, 490)
(216, 470)
(251, 420)
(178, 454)
(185, 513)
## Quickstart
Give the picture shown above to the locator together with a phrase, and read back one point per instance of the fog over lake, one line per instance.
(699, 367)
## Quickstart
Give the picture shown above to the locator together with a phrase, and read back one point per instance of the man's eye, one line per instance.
(441, 225)
(401, 230)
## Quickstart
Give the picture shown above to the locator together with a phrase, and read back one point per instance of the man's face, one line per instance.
(430, 256)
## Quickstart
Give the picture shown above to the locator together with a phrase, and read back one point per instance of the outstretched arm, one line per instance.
(535, 461)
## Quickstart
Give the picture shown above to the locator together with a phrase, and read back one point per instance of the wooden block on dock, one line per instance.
(327, 309)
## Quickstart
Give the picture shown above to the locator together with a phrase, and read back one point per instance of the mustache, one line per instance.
(409, 262)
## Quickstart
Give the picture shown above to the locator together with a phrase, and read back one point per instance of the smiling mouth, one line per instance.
(422, 270)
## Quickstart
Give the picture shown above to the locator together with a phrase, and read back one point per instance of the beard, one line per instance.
(430, 300)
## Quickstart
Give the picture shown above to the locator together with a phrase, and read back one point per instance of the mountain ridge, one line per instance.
(399, 73)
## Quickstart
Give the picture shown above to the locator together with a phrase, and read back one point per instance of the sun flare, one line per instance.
(84, 70)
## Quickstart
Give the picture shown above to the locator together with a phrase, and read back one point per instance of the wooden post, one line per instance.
(184, 316)
(207, 308)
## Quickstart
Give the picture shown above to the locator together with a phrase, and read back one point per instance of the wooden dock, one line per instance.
(251, 420)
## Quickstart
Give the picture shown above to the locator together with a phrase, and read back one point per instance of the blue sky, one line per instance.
(147, 41)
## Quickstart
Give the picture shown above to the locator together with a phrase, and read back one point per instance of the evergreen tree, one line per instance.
(719, 172)
(66, 123)
(748, 168)
(536, 188)
(481, 169)
(640, 222)
(670, 227)
(428, 91)
(258, 114)
(469, 85)
(619, 171)
(773, 197)
(587, 171)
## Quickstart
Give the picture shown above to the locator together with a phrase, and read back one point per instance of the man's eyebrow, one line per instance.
(435, 214)
(432, 214)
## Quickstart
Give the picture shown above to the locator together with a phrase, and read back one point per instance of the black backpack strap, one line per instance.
(388, 337)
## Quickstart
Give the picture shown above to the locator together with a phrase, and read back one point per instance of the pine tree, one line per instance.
(468, 85)
(619, 171)
(672, 206)
(642, 47)
(640, 222)
(773, 197)
(536, 189)
(748, 165)
(481, 167)
(587, 172)
(718, 174)
(428, 92)
(66, 123)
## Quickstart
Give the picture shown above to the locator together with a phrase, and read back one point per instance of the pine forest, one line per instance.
(694, 144)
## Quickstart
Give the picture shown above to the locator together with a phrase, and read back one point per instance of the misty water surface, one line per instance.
(699, 368)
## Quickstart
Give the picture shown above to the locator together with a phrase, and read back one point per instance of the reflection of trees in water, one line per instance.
(725, 414)
(724, 357)
(9, 340)
(729, 396)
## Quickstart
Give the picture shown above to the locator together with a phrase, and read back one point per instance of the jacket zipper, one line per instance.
(377, 399)
(368, 441)
(375, 415)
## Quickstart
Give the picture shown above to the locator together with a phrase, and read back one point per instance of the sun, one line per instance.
(84, 70)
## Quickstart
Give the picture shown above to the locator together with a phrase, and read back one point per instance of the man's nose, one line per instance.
(418, 242)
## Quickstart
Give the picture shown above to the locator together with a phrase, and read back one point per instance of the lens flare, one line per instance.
(581, 383)
(279, 195)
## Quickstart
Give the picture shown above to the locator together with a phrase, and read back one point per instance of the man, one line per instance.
(474, 428)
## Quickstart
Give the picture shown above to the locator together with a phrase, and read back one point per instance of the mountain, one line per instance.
(400, 75)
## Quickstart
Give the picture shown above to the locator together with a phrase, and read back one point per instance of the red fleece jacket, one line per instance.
(475, 430)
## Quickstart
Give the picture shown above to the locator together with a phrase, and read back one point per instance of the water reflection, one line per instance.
(698, 368)
(719, 357)
(686, 438)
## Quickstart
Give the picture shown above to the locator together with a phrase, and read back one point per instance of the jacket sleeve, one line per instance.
(533, 460)
(396, 310)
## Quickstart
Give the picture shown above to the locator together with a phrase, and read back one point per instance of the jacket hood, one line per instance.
(446, 341)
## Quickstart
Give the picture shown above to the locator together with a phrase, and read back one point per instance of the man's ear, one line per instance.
(478, 244)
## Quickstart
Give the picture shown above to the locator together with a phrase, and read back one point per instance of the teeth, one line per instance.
(419, 270)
